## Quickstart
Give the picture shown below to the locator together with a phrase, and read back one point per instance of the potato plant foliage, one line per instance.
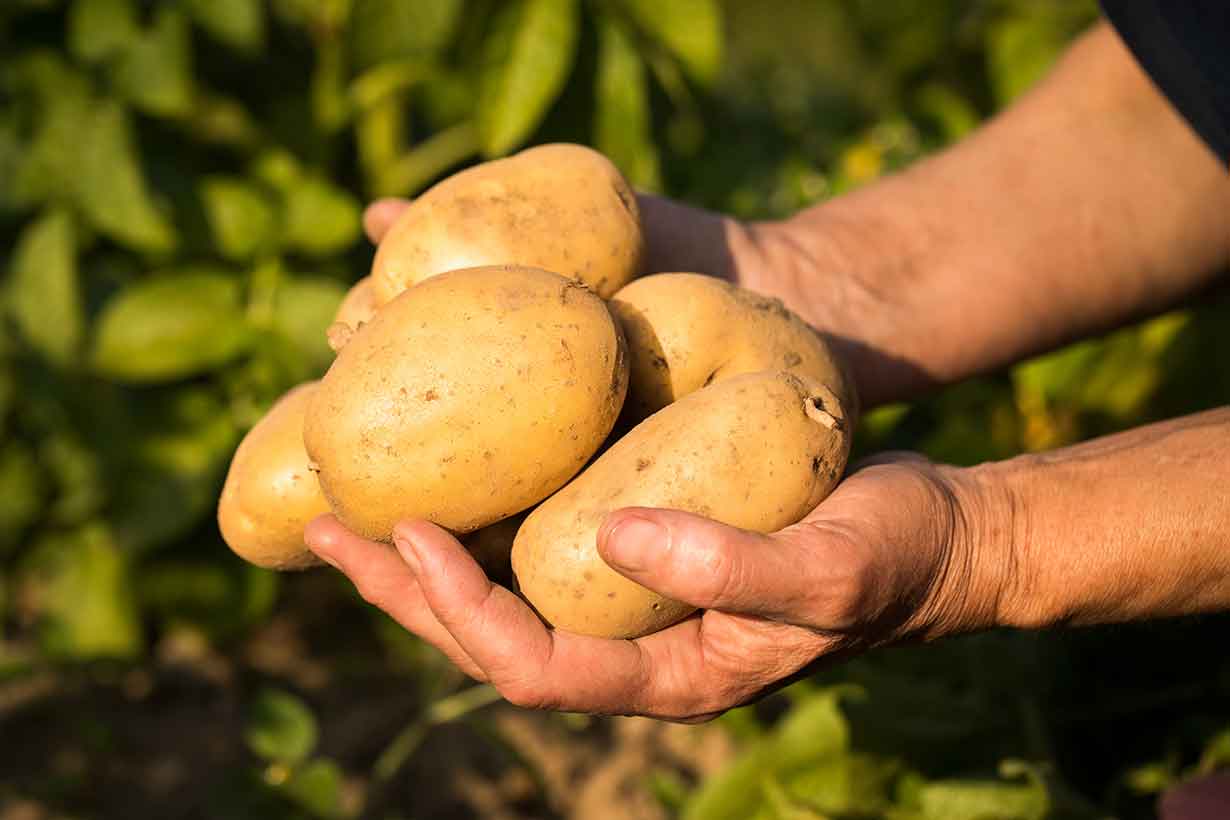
(181, 185)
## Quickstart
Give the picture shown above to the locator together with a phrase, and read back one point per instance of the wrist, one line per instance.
(1006, 533)
(851, 267)
(988, 580)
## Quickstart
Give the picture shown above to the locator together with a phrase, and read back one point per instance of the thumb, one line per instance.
(798, 575)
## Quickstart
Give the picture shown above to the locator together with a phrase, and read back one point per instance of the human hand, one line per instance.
(896, 552)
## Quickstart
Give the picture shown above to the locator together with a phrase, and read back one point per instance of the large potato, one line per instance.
(756, 451)
(270, 492)
(355, 310)
(564, 208)
(468, 398)
(686, 331)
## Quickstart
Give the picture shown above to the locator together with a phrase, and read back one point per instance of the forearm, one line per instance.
(1086, 204)
(1130, 526)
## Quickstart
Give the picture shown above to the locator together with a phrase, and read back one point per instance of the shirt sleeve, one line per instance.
(1184, 46)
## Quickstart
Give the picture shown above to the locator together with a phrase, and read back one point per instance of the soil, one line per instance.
(165, 738)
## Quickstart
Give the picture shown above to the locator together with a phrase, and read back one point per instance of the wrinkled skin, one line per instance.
(886, 557)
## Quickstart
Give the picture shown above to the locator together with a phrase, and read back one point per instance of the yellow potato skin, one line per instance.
(757, 451)
(270, 492)
(687, 330)
(355, 310)
(564, 208)
(466, 399)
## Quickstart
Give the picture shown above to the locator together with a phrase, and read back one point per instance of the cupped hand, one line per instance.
(892, 554)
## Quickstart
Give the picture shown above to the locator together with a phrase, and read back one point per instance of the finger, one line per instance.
(383, 580)
(536, 667)
(803, 575)
(380, 216)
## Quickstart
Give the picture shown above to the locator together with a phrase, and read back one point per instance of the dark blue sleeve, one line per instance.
(1184, 45)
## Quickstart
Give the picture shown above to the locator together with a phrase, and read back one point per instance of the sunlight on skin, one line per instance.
(772, 603)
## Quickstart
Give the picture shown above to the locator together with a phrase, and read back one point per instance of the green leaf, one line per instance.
(986, 799)
(1152, 778)
(81, 484)
(111, 188)
(13, 157)
(669, 789)
(317, 787)
(321, 219)
(98, 29)
(155, 72)
(171, 326)
(49, 167)
(734, 792)
(305, 306)
(330, 103)
(1216, 754)
(44, 293)
(846, 784)
(623, 121)
(317, 15)
(220, 597)
(280, 727)
(22, 493)
(690, 29)
(241, 216)
(8, 381)
(77, 588)
(956, 115)
(385, 30)
(173, 465)
(1022, 47)
(527, 58)
(781, 806)
(1057, 374)
(814, 730)
(238, 23)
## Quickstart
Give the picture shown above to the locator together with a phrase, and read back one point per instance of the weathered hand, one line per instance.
(890, 555)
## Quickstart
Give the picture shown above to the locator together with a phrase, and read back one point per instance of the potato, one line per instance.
(564, 208)
(686, 331)
(466, 399)
(356, 309)
(756, 451)
(270, 492)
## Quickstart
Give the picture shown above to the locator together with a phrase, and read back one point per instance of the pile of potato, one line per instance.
(499, 345)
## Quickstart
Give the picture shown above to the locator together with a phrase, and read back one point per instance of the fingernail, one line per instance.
(405, 548)
(633, 541)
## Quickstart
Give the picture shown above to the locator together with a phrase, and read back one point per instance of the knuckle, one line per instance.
(721, 577)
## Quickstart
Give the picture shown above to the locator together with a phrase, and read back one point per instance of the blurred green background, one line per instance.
(181, 185)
